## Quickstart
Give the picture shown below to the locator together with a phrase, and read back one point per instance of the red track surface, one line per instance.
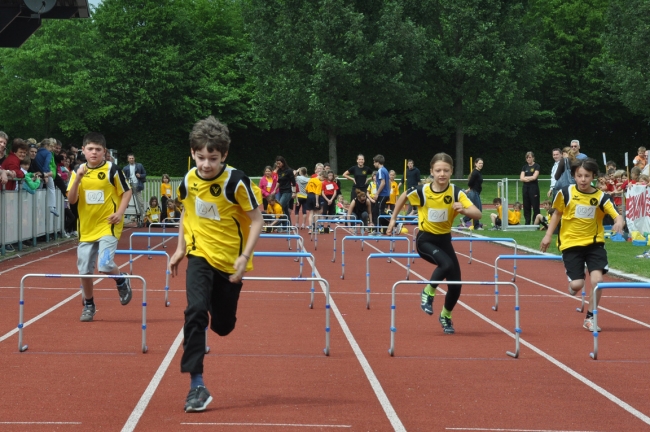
(271, 374)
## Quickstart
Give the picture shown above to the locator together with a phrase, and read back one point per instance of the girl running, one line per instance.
(438, 204)
(582, 208)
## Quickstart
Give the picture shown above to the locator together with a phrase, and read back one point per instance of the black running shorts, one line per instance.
(593, 256)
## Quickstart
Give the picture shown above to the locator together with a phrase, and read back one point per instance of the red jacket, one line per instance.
(12, 163)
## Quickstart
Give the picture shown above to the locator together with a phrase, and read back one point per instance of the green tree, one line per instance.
(480, 68)
(45, 83)
(627, 46)
(332, 67)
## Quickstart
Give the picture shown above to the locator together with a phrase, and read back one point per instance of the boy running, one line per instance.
(102, 194)
(219, 227)
(581, 240)
(438, 203)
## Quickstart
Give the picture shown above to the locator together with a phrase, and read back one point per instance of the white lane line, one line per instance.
(271, 425)
(137, 412)
(370, 374)
(61, 303)
(514, 430)
(627, 407)
(36, 260)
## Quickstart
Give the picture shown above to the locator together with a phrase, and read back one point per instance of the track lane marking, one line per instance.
(271, 425)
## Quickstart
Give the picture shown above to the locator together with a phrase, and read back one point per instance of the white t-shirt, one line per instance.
(134, 178)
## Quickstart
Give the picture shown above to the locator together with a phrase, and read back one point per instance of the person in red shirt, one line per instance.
(329, 191)
(12, 163)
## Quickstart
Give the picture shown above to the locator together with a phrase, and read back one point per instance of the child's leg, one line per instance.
(86, 258)
(107, 248)
(493, 217)
(596, 277)
(538, 219)
(223, 307)
(433, 249)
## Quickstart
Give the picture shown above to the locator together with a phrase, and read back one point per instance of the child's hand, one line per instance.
(546, 241)
(458, 207)
(81, 171)
(115, 218)
(174, 261)
(240, 268)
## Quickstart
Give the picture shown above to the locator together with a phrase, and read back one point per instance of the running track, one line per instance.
(270, 374)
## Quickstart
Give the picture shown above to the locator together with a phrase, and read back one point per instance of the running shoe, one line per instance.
(197, 399)
(589, 324)
(125, 291)
(88, 313)
(446, 324)
(427, 302)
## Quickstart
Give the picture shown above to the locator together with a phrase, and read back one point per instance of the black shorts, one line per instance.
(575, 258)
(310, 203)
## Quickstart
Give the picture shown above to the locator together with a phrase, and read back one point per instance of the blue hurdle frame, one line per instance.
(368, 238)
(338, 220)
(386, 255)
(326, 351)
(295, 255)
(361, 228)
(393, 328)
(23, 348)
(164, 226)
(300, 242)
(521, 257)
(608, 285)
(149, 235)
(130, 252)
(488, 239)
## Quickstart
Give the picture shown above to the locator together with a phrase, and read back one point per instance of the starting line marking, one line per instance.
(271, 425)
(611, 397)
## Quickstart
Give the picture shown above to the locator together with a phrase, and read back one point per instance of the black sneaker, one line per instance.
(197, 399)
(446, 324)
(125, 291)
(88, 313)
(427, 303)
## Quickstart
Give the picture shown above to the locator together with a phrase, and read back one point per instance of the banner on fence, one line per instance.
(637, 208)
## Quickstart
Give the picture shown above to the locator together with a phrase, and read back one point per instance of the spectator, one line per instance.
(358, 174)
(43, 161)
(301, 181)
(31, 181)
(412, 180)
(568, 158)
(475, 187)
(394, 190)
(383, 189)
(33, 150)
(62, 167)
(317, 169)
(514, 215)
(136, 175)
(557, 157)
(575, 144)
(273, 208)
(268, 185)
(286, 185)
(641, 159)
(529, 175)
(152, 215)
(12, 162)
(361, 209)
(329, 191)
(4, 139)
(56, 149)
(165, 194)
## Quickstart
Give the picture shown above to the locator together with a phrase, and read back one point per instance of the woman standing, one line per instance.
(286, 185)
(474, 189)
(528, 176)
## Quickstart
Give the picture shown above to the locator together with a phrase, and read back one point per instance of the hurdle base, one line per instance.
(145, 349)
(326, 351)
(513, 355)
(23, 348)
(167, 304)
(207, 349)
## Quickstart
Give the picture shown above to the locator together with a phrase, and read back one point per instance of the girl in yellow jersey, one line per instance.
(438, 204)
(582, 208)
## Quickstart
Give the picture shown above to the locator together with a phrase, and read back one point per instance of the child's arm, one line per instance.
(117, 216)
(242, 260)
(398, 207)
(471, 212)
(73, 190)
(179, 254)
(552, 224)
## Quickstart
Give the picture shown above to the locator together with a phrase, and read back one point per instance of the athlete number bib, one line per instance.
(207, 210)
(438, 215)
(585, 212)
(94, 197)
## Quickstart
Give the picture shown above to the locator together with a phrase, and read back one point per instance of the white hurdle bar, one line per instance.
(392, 240)
(393, 328)
(608, 285)
(23, 348)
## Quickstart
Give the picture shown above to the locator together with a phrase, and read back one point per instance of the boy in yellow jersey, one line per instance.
(274, 208)
(581, 208)
(514, 215)
(101, 193)
(314, 189)
(394, 191)
(438, 204)
(219, 227)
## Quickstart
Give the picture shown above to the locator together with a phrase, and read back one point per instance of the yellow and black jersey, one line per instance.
(582, 216)
(435, 209)
(314, 185)
(216, 225)
(394, 192)
(274, 209)
(100, 195)
(152, 215)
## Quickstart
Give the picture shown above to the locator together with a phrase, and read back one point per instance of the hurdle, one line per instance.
(386, 255)
(609, 285)
(488, 239)
(23, 348)
(403, 219)
(393, 328)
(130, 252)
(300, 244)
(368, 238)
(149, 235)
(290, 230)
(295, 255)
(164, 226)
(522, 257)
(314, 233)
(326, 351)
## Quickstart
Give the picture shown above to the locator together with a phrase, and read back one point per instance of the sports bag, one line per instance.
(566, 178)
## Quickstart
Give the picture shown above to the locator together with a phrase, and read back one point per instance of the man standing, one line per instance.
(359, 175)
(557, 157)
(575, 144)
(412, 180)
(136, 175)
(383, 189)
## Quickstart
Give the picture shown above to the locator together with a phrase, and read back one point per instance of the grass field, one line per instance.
(621, 255)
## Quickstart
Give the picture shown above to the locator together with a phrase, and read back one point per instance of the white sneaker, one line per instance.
(589, 324)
